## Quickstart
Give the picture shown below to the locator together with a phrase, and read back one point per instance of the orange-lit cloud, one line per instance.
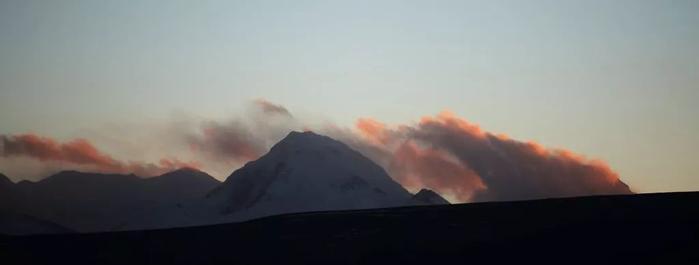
(80, 152)
(373, 130)
(414, 166)
(458, 158)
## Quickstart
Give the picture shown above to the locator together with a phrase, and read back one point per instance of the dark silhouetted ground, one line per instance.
(625, 229)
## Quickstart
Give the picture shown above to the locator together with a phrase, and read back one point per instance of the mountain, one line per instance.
(306, 172)
(428, 197)
(90, 202)
(618, 229)
(180, 185)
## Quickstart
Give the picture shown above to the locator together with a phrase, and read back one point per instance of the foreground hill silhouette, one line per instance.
(619, 229)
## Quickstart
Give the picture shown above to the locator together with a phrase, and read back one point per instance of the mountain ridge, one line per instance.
(91, 202)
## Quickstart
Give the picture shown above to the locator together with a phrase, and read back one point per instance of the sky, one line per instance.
(613, 80)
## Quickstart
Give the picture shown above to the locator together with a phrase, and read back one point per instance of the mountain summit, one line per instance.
(429, 197)
(307, 172)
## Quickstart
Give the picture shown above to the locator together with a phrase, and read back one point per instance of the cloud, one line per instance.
(81, 153)
(424, 167)
(218, 146)
(233, 141)
(245, 138)
(271, 108)
(78, 151)
(513, 170)
(459, 159)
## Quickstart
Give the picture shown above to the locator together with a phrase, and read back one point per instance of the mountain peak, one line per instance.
(307, 172)
(187, 176)
(302, 134)
(311, 144)
(429, 197)
(306, 137)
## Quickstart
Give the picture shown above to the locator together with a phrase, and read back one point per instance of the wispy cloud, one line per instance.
(271, 108)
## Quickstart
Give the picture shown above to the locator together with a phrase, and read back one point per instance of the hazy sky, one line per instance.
(616, 80)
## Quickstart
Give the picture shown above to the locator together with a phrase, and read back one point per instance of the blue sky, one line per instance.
(616, 80)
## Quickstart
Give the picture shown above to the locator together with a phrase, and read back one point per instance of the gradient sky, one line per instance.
(616, 80)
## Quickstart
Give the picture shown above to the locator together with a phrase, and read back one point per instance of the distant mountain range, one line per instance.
(304, 172)
(89, 202)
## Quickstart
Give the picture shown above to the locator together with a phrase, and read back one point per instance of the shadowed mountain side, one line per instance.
(621, 229)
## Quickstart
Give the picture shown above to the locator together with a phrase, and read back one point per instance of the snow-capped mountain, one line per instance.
(306, 172)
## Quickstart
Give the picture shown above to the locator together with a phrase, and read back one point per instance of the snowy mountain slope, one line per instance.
(306, 172)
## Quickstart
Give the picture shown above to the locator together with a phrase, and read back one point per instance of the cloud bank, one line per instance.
(444, 153)
(448, 154)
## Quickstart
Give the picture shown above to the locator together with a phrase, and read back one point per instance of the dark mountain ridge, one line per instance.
(89, 202)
